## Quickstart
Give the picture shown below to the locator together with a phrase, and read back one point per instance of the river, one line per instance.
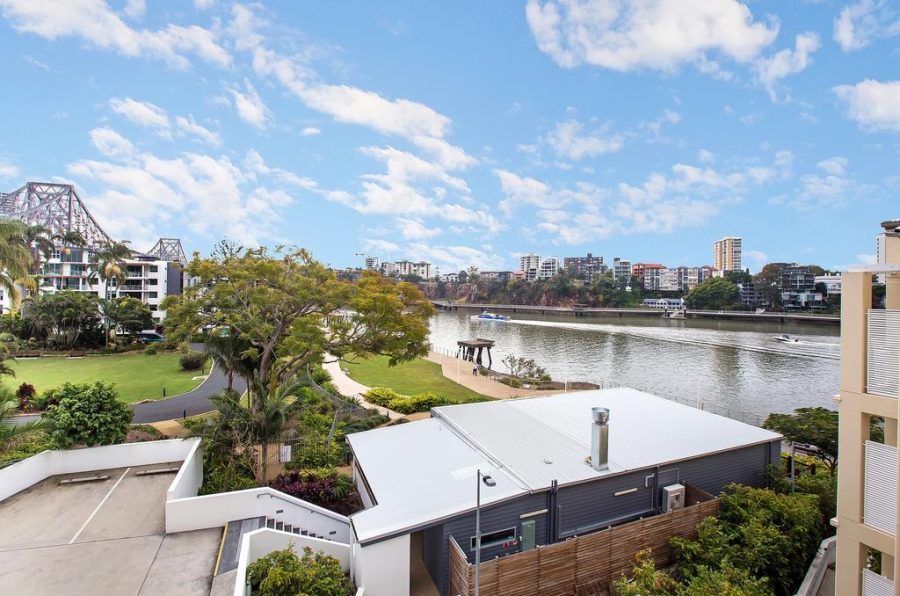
(727, 367)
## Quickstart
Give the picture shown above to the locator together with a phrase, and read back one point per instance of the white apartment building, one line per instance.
(549, 268)
(727, 255)
(832, 283)
(373, 263)
(669, 280)
(621, 268)
(529, 261)
(450, 278)
(403, 268)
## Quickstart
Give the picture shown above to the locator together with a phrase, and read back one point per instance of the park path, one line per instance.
(347, 386)
(460, 371)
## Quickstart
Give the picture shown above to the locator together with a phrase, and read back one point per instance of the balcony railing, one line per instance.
(874, 584)
(883, 361)
(880, 497)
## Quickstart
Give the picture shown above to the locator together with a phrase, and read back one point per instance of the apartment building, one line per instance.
(867, 521)
(647, 272)
(549, 268)
(585, 267)
(621, 269)
(529, 261)
(669, 280)
(727, 255)
(402, 268)
(498, 275)
(373, 263)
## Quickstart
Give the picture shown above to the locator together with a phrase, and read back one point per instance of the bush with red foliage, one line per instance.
(323, 487)
(25, 393)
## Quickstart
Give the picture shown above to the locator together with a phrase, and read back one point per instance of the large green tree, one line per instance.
(712, 294)
(64, 319)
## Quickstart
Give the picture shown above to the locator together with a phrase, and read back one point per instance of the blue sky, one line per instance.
(465, 133)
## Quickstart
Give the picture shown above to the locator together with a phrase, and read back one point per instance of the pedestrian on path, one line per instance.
(475, 369)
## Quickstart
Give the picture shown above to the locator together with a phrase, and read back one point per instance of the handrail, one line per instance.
(271, 493)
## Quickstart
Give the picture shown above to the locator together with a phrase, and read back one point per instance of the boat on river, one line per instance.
(678, 314)
(786, 339)
(491, 316)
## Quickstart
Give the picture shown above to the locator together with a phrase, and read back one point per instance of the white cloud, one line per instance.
(8, 170)
(310, 131)
(874, 105)
(835, 166)
(757, 257)
(203, 4)
(660, 35)
(567, 141)
(95, 23)
(190, 127)
(706, 156)
(143, 113)
(412, 229)
(867, 259)
(770, 71)
(110, 143)
(457, 257)
(378, 245)
(36, 63)
(519, 190)
(655, 126)
(135, 8)
(861, 23)
(250, 107)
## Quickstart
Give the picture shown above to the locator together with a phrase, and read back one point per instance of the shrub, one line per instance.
(313, 452)
(25, 395)
(151, 350)
(283, 573)
(417, 403)
(88, 415)
(192, 360)
(46, 399)
(226, 476)
(381, 396)
(322, 486)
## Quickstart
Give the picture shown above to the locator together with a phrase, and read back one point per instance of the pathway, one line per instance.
(347, 386)
(460, 371)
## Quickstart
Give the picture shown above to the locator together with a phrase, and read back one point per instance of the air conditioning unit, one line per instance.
(673, 497)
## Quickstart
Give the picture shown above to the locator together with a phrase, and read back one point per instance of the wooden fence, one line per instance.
(582, 565)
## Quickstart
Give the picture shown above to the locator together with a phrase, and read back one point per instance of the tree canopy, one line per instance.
(712, 294)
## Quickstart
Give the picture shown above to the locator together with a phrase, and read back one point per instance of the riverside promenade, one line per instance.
(460, 371)
(347, 386)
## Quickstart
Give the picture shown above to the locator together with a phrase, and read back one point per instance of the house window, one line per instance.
(152, 295)
(489, 539)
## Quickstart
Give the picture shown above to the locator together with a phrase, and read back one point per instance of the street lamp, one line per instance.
(490, 483)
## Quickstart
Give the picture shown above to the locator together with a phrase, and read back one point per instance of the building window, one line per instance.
(151, 282)
(151, 295)
(153, 268)
(489, 539)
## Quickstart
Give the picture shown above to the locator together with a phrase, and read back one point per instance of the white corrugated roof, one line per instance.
(419, 472)
(644, 431)
(424, 471)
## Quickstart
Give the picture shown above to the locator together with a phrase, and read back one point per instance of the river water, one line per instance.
(728, 367)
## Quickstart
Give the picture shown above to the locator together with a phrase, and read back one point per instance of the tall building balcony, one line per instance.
(883, 353)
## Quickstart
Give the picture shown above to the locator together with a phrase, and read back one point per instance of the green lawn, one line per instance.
(409, 378)
(136, 376)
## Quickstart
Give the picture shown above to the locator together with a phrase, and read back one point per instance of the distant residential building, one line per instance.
(621, 268)
(389, 269)
(373, 263)
(727, 255)
(518, 275)
(692, 276)
(663, 303)
(669, 280)
(881, 248)
(498, 275)
(450, 278)
(585, 267)
(797, 278)
(641, 271)
(529, 261)
(403, 268)
(750, 297)
(832, 284)
(549, 268)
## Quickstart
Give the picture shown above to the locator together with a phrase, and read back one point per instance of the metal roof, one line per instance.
(424, 471)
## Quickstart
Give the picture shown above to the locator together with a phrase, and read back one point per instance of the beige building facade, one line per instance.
(727, 255)
(868, 526)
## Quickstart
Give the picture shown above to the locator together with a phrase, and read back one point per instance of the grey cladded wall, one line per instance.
(594, 505)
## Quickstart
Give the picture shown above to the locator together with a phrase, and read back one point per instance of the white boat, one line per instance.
(786, 339)
(491, 316)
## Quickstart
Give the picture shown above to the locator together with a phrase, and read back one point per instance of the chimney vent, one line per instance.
(600, 439)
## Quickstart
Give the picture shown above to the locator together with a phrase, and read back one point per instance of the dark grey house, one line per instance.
(559, 467)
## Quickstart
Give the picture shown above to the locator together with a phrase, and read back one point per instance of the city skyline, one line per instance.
(422, 133)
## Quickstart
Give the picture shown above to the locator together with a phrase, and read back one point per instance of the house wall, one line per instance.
(382, 568)
(595, 505)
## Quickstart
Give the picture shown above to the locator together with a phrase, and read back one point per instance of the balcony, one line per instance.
(880, 488)
(883, 361)
(874, 584)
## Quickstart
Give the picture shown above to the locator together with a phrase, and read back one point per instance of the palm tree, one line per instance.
(39, 239)
(111, 262)
(109, 310)
(9, 431)
(269, 414)
(227, 350)
(16, 259)
(70, 239)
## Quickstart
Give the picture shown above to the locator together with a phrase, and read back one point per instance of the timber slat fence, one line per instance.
(582, 565)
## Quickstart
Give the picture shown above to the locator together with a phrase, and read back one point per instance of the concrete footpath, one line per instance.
(347, 386)
(460, 371)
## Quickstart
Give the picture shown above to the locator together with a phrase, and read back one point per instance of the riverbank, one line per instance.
(461, 372)
(577, 311)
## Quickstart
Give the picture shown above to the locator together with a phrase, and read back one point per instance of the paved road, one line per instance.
(190, 403)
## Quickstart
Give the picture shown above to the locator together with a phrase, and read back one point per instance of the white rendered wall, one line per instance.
(190, 477)
(382, 569)
(21, 475)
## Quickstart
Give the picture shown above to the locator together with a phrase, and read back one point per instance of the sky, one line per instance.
(465, 133)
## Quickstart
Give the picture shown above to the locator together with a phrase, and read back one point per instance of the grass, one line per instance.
(409, 378)
(136, 376)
